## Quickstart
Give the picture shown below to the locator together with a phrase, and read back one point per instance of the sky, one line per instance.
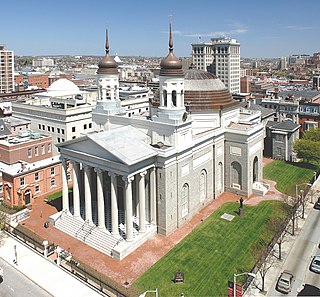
(265, 29)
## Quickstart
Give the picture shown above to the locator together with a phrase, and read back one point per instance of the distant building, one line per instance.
(64, 112)
(309, 114)
(316, 83)
(42, 62)
(222, 58)
(6, 70)
(283, 64)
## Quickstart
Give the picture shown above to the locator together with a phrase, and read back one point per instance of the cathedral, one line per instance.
(141, 175)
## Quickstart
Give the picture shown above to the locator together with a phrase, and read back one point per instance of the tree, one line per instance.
(264, 260)
(308, 147)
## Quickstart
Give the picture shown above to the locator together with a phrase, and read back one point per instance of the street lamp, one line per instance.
(149, 291)
(235, 280)
(297, 186)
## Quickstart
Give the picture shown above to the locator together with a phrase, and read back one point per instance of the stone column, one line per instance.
(87, 192)
(76, 192)
(114, 204)
(153, 196)
(65, 197)
(100, 198)
(128, 201)
(142, 201)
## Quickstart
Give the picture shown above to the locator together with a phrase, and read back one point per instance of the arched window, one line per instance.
(165, 98)
(203, 185)
(255, 169)
(27, 195)
(185, 200)
(174, 98)
(236, 175)
(219, 177)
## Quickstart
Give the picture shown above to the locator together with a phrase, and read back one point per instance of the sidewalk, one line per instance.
(274, 272)
(40, 270)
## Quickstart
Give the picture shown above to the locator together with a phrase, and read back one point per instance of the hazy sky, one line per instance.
(271, 28)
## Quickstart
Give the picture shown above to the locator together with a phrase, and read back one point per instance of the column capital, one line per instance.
(143, 173)
(98, 170)
(73, 162)
(127, 179)
(86, 166)
(112, 174)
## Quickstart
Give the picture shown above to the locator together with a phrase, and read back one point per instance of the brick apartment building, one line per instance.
(28, 168)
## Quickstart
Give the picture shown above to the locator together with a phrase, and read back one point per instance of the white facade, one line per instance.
(222, 58)
(6, 70)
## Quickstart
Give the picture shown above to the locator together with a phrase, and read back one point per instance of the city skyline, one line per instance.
(37, 28)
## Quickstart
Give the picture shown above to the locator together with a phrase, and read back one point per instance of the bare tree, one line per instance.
(279, 228)
(265, 261)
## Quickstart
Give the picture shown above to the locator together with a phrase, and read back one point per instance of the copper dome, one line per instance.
(171, 65)
(204, 91)
(107, 65)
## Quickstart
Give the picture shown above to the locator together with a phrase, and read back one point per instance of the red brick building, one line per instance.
(28, 168)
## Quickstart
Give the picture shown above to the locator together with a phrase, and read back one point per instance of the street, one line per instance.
(299, 258)
(15, 284)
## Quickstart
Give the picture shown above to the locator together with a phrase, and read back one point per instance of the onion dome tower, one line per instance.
(108, 102)
(171, 87)
(108, 78)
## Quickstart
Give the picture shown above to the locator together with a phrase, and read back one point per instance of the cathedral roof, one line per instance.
(171, 65)
(204, 91)
(107, 65)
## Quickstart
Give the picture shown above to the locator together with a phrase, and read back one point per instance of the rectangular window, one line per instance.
(37, 188)
(39, 126)
(73, 129)
(49, 148)
(68, 176)
(36, 176)
(48, 128)
(52, 170)
(58, 130)
(29, 152)
(43, 149)
(52, 129)
(85, 126)
(36, 151)
(62, 131)
(90, 125)
(53, 183)
(22, 181)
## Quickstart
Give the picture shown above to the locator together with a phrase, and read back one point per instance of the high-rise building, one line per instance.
(6, 70)
(221, 57)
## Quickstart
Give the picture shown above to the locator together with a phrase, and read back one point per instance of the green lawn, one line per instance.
(213, 252)
(287, 175)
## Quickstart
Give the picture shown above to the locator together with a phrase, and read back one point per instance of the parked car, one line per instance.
(285, 281)
(317, 204)
(315, 264)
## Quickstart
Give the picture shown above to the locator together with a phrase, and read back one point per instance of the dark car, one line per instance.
(317, 204)
(285, 281)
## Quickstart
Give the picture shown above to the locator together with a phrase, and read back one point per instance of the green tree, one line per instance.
(308, 147)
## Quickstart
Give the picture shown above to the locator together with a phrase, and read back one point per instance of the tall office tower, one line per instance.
(221, 57)
(6, 70)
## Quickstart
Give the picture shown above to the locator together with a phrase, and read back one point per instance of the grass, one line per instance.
(56, 195)
(287, 175)
(213, 252)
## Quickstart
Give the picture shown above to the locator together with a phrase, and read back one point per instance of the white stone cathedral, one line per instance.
(137, 176)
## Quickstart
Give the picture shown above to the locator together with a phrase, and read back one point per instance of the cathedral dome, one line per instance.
(107, 65)
(204, 91)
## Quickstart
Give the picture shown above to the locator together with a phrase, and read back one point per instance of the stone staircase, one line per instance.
(260, 188)
(87, 232)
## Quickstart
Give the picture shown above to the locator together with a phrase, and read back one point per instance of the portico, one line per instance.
(117, 197)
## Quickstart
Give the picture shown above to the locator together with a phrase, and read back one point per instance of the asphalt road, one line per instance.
(15, 284)
(299, 259)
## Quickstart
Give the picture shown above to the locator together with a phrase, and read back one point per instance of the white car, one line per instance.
(285, 281)
(315, 264)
